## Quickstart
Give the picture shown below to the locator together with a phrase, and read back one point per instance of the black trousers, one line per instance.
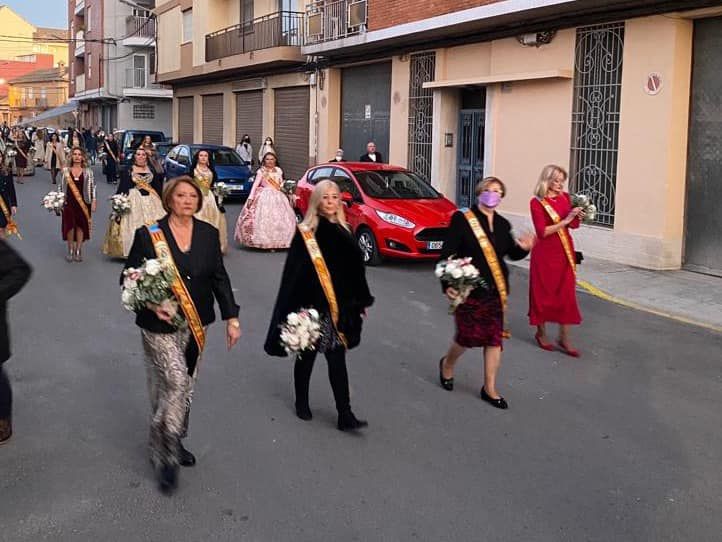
(6, 396)
(111, 172)
(337, 375)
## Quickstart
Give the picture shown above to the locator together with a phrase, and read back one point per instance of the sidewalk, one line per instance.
(681, 295)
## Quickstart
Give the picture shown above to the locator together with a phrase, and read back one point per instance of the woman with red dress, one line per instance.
(78, 185)
(552, 277)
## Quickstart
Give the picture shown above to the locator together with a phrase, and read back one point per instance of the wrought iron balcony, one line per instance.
(79, 43)
(281, 29)
(139, 28)
(336, 19)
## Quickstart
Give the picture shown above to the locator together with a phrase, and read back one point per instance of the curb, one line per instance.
(596, 292)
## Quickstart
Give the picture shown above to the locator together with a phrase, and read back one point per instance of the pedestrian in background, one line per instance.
(335, 285)
(8, 196)
(265, 149)
(338, 157)
(78, 184)
(372, 155)
(90, 145)
(14, 273)
(22, 156)
(54, 155)
(245, 150)
(205, 176)
(482, 234)
(552, 275)
(267, 220)
(172, 354)
(110, 146)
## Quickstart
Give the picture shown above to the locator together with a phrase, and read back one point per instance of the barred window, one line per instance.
(421, 113)
(595, 117)
(143, 111)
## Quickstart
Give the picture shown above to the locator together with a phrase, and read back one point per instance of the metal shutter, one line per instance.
(249, 117)
(291, 130)
(213, 119)
(185, 120)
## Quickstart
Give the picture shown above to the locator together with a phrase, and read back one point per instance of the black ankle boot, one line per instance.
(348, 422)
(304, 412)
(185, 458)
(167, 478)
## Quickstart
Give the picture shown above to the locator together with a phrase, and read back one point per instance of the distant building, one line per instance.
(19, 66)
(36, 92)
(31, 40)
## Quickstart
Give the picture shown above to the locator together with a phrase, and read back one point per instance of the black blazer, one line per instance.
(7, 192)
(461, 243)
(201, 269)
(379, 158)
(300, 287)
(14, 273)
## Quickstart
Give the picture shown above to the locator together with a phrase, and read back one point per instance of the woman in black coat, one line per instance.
(14, 273)
(301, 288)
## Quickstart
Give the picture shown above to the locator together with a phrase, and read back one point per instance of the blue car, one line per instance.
(229, 167)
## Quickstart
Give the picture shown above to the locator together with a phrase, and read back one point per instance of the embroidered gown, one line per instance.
(267, 220)
(145, 208)
(552, 282)
(210, 211)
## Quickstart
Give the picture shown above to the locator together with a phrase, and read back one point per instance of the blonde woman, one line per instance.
(267, 220)
(78, 184)
(552, 275)
(301, 287)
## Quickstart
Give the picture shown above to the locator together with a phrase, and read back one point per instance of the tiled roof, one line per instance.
(42, 76)
(51, 33)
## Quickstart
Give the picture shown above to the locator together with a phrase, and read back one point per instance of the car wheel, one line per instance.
(368, 246)
(299, 216)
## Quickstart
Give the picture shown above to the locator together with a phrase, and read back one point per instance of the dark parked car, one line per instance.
(229, 167)
(129, 140)
(164, 148)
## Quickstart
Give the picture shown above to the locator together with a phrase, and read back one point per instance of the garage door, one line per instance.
(291, 130)
(213, 119)
(185, 120)
(249, 117)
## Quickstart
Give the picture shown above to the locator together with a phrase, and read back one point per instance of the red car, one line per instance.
(393, 212)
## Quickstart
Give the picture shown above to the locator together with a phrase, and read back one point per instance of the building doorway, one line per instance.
(470, 160)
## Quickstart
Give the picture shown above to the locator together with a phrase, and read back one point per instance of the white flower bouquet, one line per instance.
(460, 274)
(585, 202)
(221, 191)
(54, 202)
(301, 331)
(150, 284)
(119, 206)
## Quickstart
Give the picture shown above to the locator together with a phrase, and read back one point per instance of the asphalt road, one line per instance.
(622, 444)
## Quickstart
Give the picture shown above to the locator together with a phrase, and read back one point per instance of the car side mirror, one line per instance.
(347, 198)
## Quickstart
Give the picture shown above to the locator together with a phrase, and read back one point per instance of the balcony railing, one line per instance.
(140, 27)
(25, 102)
(337, 19)
(79, 43)
(80, 7)
(280, 29)
(80, 83)
(135, 78)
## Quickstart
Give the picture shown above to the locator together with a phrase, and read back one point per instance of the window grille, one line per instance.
(421, 114)
(143, 111)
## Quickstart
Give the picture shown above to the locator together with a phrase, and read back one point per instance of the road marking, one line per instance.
(596, 292)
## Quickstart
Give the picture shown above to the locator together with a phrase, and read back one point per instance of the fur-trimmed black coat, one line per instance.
(300, 287)
(14, 273)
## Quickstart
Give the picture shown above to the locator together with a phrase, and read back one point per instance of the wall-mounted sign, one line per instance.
(654, 84)
(367, 112)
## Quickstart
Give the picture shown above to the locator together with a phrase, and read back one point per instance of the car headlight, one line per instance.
(396, 220)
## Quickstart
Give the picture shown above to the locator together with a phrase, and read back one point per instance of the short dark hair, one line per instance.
(171, 186)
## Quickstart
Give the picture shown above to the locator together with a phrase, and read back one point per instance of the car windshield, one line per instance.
(138, 139)
(224, 157)
(395, 185)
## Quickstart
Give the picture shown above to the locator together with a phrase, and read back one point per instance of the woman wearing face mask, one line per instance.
(265, 149)
(483, 235)
(338, 157)
(245, 150)
(552, 275)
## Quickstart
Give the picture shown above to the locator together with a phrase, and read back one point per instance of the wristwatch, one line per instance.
(235, 323)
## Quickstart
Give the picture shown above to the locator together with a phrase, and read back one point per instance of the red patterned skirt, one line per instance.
(480, 322)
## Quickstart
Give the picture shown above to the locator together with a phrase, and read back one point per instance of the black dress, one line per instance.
(7, 193)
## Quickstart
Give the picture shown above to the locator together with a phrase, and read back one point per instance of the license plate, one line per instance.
(435, 245)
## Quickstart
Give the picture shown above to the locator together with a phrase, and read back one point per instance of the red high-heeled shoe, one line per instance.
(573, 352)
(544, 346)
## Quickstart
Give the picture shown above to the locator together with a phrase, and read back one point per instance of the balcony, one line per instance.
(338, 19)
(79, 43)
(138, 84)
(25, 102)
(80, 83)
(139, 31)
(281, 29)
(80, 7)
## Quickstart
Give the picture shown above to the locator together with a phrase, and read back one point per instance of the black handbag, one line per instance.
(578, 257)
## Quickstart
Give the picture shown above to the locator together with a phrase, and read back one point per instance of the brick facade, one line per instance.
(384, 14)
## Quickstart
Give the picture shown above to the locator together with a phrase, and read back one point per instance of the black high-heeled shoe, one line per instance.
(498, 403)
(446, 383)
(348, 422)
(167, 478)
(186, 458)
(304, 412)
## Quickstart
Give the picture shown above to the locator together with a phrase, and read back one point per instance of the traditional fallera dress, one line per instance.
(77, 211)
(210, 212)
(267, 220)
(143, 191)
(552, 277)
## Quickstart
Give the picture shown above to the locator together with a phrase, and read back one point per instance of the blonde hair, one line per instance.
(484, 184)
(170, 188)
(310, 221)
(546, 176)
(84, 162)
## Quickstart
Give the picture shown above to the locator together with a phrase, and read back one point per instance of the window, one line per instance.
(143, 111)
(90, 65)
(137, 12)
(184, 156)
(320, 174)
(151, 62)
(187, 26)
(345, 184)
(138, 71)
(247, 12)
(395, 185)
(88, 18)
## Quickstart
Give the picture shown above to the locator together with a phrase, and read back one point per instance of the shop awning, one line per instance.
(500, 78)
(51, 114)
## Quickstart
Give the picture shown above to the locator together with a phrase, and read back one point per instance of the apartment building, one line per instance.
(113, 66)
(36, 92)
(236, 67)
(625, 94)
(24, 39)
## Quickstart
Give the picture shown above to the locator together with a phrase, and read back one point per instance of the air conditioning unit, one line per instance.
(357, 14)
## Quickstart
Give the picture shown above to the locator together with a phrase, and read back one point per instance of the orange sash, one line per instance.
(180, 291)
(107, 147)
(492, 261)
(563, 234)
(12, 227)
(143, 185)
(324, 278)
(76, 194)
